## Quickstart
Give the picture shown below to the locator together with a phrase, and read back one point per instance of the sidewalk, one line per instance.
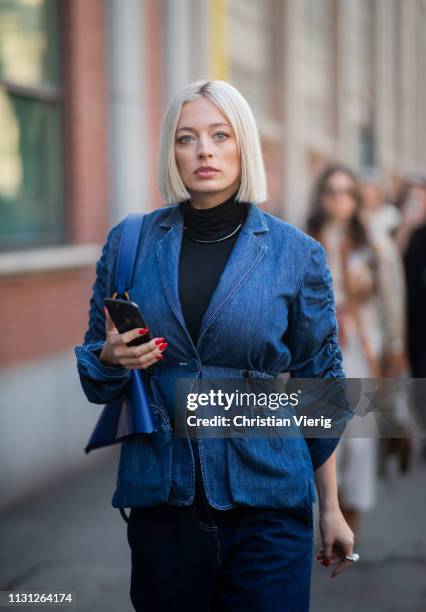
(71, 539)
(391, 573)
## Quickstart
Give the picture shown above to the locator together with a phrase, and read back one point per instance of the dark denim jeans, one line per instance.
(199, 559)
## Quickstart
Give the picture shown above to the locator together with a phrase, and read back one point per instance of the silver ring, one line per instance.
(354, 557)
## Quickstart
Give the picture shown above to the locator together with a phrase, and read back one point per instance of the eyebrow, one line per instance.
(212, 125)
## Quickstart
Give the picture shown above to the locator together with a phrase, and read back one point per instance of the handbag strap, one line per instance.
(129, 242)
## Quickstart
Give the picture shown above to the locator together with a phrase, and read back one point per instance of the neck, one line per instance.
(210, 199)
(337, 223)
(216, 222)
(366, 215)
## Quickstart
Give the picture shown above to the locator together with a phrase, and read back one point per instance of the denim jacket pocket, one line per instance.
(262, 475)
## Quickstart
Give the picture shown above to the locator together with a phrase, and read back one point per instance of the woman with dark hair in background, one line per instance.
(336, 222)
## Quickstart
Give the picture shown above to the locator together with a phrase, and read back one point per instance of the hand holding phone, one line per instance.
(127, 316)
(125, 344)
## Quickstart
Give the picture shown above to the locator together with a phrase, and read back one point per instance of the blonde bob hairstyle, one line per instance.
(235, 107)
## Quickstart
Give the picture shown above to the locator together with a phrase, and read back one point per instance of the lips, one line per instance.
(206, 171)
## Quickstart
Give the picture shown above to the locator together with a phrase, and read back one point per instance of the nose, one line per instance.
(204, 151)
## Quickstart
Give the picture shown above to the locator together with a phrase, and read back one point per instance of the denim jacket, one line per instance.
(271, 312)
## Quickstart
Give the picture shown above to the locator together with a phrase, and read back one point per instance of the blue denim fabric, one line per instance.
(272, 311)
(198, 558)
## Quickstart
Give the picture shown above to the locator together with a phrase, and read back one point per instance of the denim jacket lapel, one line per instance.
(248, 251)
(245, 256)
(168, 253)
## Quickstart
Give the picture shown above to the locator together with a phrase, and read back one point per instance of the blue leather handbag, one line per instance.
(132, 413)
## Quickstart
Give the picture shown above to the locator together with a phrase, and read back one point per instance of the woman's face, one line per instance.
(339, 197)
(206, 152)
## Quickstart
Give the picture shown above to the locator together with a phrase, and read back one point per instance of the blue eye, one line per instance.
(185, 139)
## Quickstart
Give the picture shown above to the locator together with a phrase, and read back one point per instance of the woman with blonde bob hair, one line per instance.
(223, 522)
(234, 106)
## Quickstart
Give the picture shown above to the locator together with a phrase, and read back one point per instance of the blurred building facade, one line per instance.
(83, 86)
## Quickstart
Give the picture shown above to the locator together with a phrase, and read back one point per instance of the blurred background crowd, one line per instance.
(338, 91)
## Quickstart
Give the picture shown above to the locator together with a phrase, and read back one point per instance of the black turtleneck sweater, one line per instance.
(201, 264)
(200, 267)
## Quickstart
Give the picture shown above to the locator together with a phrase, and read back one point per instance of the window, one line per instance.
(367, 68)
(31, 185)
(318, 67)
(254, 28)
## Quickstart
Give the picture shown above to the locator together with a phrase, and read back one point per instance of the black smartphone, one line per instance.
(126, 316)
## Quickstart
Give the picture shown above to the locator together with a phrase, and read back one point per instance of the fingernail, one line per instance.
(143, 331)
(326, 562)
(163, 345)
(319, 557)
(160, 357)
(159, 341)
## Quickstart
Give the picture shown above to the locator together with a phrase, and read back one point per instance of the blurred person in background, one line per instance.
(215, 524)
(382, 216)
(381, 220)
(415, 274)
(411, 203)
(415, 270)
(335, 220)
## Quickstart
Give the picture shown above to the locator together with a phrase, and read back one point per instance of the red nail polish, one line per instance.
(143, 331)
(160, 357)
(159, 341)
(326, 562)
(163, 345)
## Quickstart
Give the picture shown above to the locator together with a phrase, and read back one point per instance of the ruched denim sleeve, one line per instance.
(101, 383)
(312, 337)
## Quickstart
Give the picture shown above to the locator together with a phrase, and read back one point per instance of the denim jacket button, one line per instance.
(194, 365)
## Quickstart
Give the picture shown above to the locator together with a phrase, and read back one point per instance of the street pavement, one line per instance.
(71, 539)
(391, 573)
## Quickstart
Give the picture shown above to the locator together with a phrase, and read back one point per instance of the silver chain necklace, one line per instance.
(212, 241)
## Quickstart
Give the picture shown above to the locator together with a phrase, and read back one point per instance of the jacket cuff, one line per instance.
(89, 363)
